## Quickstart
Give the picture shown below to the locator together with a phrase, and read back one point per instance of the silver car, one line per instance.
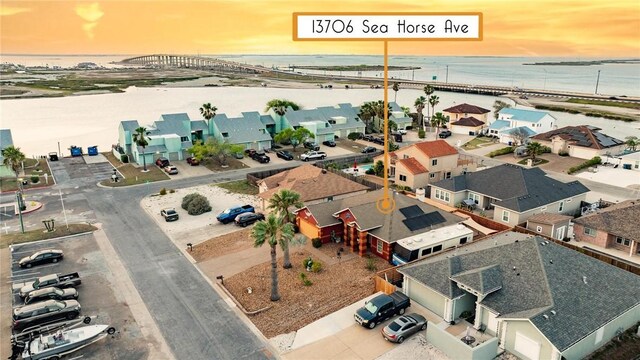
(403, 327)
(51, 293)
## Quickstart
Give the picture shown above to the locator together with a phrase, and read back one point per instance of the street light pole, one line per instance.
(19, 199)
(63, 210)
(597, 82)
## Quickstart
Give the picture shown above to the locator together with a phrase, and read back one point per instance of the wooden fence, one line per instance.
(486, 222)
(387, 280)
(359, 179)
(604, 257)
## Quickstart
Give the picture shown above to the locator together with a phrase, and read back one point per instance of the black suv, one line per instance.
(444, 134)
(162, 162)
(260, 157)
(44, 312)
(248, 219)
(311, 146)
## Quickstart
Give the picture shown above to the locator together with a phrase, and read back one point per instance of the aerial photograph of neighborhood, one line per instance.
(319, 180)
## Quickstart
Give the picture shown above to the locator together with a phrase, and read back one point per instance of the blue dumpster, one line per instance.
(92, 150)
(75, 150)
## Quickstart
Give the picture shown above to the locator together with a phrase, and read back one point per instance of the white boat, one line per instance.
(62, 342)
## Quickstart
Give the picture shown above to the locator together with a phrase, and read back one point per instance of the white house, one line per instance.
(529, 122)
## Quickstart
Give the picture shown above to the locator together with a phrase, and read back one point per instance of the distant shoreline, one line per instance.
(353, 67)
(586, 63)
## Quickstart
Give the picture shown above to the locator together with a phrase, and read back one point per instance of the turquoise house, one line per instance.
(6, 140)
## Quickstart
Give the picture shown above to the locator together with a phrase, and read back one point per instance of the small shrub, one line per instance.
(503, 151)
(171, 191)
(371, 264)
(305, 281)
(316, 267)
(595, 161)
(198, 205)
(163, 191)
(370, 171)
(563, 153)
(545, 150)
(187, 199)
(353, 136)
(124, 158)
(306, 263)
(421, 134)
(35, 179)
(316, 242)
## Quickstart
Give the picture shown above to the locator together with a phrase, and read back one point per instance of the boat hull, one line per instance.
(46, 346)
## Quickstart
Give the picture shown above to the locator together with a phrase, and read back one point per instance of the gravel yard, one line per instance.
(339, 284)
(222, 245)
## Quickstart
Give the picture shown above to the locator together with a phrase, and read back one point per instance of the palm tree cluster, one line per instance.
(371, 110)
(423, 102)
(280, 106)
(277, 229)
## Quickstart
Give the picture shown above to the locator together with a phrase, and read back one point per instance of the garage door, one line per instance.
(527, 347)
(426, 297)
(309, 230)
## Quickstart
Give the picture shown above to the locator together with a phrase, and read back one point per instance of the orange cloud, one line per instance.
(528, 28)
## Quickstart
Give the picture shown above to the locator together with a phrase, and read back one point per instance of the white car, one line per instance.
(402, 132)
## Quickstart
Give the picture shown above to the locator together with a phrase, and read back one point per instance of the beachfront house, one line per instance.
(613, 227)
(583, 141)
(6, 140)
(357, 221)
(531, 297)
(170, 137)
(511, 194)
(466, 119)
(249, 130)
(325, 123)
(426, 162)
(526, 122)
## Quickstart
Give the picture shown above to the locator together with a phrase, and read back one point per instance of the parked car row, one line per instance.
(258, 156)
(165, 165)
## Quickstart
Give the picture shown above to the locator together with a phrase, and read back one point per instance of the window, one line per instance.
(403, 178)
(225, 134)
(623, 241)
(379, 246)
(437, 248)
(329, 198)
(405, 156)
(425, 252)
(505, 216)
(447, 175)
(475, 197)
(539, 229)
(432, 175)
(561, 206)
(442, 195)
(463, 240)
(184, 138)
(434, 162)
(589, 231)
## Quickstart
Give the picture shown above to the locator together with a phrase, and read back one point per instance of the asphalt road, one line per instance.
(195, 322)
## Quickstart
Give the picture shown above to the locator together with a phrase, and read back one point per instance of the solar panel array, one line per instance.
(411, 211)
(423, 221)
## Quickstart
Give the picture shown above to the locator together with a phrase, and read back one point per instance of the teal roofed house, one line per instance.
(531, 122)
(325, 122)
(6, 140)
(169, 137)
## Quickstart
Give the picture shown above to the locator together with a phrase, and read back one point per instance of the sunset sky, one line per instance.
(574, 28)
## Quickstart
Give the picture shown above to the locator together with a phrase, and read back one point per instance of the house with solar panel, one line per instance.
(583, 141)
(524, 294)
(412, 231)
(528, 122)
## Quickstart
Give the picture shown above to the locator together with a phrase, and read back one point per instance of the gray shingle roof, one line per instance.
(484, 280)
(172, 124)
(326, 114)
(389, 227)
(517, 188)
(537, 279)
(242, 130)
(199, 125)
(130, 125)
(616, 220)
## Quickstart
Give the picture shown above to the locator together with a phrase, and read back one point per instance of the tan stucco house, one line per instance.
(613, 227)
(584, 142)
(423, 163)
(540, 300)
(513, 193)
(550, 224)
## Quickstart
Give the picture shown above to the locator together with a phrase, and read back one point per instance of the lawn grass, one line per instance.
(604, 103)
(538, 161)
(239, 187)
(32, 167)
(41, 234)
(133, 175)
(476, 142)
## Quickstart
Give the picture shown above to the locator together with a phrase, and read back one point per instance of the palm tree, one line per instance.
(439, 120)
(208, 112)
(433, 101)
(396, 88)
(420, 103)
(13, 158)
(281, 202)
(271, 232)
(534, 148)
(632, 142)
(366, 114)
(140, 139)
(428, 90)
(280, 106)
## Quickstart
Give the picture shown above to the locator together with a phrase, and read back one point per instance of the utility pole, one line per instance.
(446, 78)
(19, 199)
(63, 210)
(597, 82)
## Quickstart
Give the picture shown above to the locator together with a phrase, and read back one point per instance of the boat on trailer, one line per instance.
(54, 345)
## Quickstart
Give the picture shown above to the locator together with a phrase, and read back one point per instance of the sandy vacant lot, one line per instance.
(195, 229)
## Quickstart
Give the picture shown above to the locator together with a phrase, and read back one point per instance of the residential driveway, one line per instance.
(190, 228)
(617, 177)
(337, 336)
(185, 170)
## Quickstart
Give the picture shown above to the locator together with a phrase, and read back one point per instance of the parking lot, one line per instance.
(99, 294)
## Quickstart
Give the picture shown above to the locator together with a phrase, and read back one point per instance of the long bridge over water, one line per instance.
(215, 64)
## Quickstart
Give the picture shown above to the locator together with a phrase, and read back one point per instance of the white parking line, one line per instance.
(26, 274)
(39, 267)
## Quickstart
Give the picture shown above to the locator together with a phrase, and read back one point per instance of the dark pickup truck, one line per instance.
(381, 308)
(230, 214)
(57, 280)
